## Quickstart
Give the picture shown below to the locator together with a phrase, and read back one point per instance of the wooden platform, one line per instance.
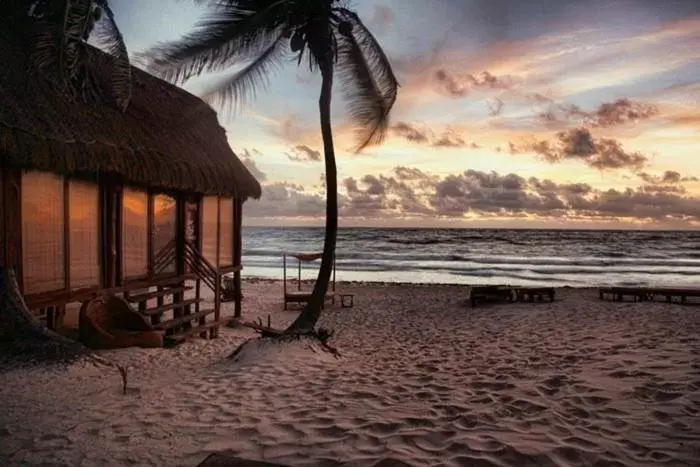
(642, 294)
(490, 293)
(531, 294)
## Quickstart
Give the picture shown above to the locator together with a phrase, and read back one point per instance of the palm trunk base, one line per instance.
(23, 338)
(322, 336)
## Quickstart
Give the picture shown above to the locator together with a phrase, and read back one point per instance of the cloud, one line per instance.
(668, 176)
(449, 138)
(282, 199)
(411, 192)
(250, 164)
(302, 152)
(411, 133)
(579, 144)
(608, 114)
(461, 84)
(382, 19)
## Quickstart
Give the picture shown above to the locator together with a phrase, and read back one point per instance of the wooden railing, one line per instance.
(197, 263)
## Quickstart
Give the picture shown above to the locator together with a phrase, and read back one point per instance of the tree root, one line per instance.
(30, 339)
(323, 336)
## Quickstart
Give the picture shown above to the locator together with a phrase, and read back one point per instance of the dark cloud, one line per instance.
(579, 144)
(302, 153)
(622, 111)
(421, 135)
(459, 85)
(281, 199)
(412, 192)
(411, 133)
(247, 159)
(668, 176)
(608, 114)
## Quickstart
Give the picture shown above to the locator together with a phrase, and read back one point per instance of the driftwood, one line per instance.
(23, 333)
(323, 336)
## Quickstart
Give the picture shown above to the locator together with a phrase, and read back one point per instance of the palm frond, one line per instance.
(241, 87)
(111, 39)
(57, 45)
(231, 34)
(376, 58)
(369, 86)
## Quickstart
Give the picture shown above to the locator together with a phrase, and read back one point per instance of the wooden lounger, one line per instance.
(302, 296)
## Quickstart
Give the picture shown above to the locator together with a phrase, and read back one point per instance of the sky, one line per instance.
(542, 114)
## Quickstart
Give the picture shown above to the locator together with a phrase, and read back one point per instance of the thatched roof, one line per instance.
(167, 138)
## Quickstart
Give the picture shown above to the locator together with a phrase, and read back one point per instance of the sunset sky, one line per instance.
(547, 113)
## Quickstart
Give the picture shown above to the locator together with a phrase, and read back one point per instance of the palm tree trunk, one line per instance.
(307, 319)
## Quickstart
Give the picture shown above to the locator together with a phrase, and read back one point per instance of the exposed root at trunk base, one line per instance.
(28, 339)
(323, 336)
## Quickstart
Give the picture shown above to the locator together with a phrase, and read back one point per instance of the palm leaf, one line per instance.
(242, 85)
(368, 90)
(375, 56)
(232, 34)
(112, 41)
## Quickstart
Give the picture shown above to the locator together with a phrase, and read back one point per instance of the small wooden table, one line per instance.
(347, 300)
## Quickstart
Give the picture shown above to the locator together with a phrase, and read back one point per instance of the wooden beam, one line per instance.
(15, 225)
(237, 255)
(3, 211)
(66, 232)
(150, 221)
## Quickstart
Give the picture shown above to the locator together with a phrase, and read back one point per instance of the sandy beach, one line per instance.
(423, 380)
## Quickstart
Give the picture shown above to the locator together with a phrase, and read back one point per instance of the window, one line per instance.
(226, 232)
(84, 234)
(134, 233)
(164, 226)
(43, 216)
(210, 233)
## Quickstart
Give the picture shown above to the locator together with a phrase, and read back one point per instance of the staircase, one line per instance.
(174, 305)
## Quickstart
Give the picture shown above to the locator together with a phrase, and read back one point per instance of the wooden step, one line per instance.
(182, 319)
(158, 293)
(182, 336)
(168, 306)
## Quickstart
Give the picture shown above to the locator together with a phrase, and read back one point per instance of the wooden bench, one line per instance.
(490, 293)
(534, 293)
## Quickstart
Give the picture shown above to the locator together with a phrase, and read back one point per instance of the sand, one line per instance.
(423, 380)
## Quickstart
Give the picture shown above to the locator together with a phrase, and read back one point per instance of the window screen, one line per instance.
(43, 266)
(83, 225)
(134, 233)
(164, 225)
(210, 206)
(226, 232)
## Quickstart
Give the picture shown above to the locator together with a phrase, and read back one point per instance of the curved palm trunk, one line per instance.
(307, 319)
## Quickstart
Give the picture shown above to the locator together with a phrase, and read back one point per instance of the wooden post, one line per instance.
(284, 278)
(180, 226)
(237, 256)
(3, 211)
(217, 286)
(149, 229)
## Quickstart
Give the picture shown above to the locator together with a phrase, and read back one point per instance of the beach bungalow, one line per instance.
(144, 204)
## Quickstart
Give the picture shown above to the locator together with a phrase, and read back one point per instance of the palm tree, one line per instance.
(55, 35)
(325, 34)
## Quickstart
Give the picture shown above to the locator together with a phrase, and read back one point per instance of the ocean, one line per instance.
(469, 256)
